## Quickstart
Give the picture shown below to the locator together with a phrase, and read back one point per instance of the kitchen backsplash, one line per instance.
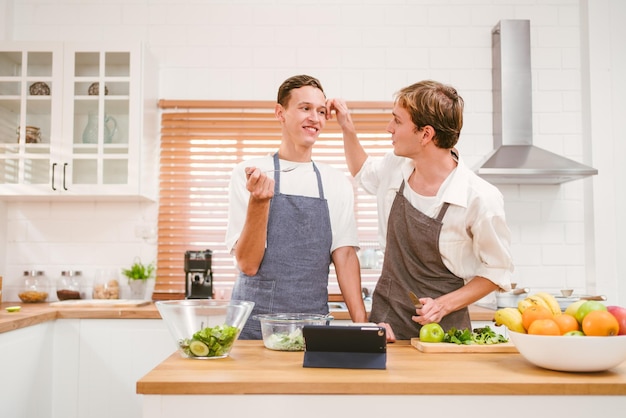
(85, 236)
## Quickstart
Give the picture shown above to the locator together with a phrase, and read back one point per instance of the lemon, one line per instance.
(13, 308)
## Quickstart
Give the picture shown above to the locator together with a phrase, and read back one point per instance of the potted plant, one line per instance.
(138, 275)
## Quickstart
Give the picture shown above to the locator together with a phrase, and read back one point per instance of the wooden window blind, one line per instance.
(202, 141)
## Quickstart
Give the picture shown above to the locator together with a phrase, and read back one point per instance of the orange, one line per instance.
(533, 313)
(600, 324)
(566, 323)
(544, 327)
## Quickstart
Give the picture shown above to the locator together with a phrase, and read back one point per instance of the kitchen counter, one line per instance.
(409, 371)
(35, 313)
(255, 381)
(254, 378)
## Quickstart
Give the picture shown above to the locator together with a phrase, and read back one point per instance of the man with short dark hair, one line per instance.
(290, 217)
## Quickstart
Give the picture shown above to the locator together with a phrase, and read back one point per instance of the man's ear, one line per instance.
(429, 134)
(279, 112)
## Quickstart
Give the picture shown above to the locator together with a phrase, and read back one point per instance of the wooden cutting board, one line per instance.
(100, 303)
(507, 347)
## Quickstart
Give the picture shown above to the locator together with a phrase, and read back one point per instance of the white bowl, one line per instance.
(186, 318)
(570, 353)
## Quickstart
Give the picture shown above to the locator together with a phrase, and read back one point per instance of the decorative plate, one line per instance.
(39, 89)
(94, 89)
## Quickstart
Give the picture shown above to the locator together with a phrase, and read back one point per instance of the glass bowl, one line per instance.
(204, 328)
(283, 331)
(571, 353)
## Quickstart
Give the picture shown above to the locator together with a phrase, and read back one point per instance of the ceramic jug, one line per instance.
(90, 134)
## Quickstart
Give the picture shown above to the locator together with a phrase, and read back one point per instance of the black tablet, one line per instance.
(345, 346)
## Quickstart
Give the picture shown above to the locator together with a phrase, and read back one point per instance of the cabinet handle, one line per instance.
(54, 165)
(64, 167)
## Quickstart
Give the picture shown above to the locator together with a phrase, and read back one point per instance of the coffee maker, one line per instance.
(198, 275)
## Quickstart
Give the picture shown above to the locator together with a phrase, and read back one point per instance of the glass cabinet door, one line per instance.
(29, 98)
(72, 120)
(101, 109)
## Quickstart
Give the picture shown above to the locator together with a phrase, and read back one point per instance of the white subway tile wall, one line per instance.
(360, 50)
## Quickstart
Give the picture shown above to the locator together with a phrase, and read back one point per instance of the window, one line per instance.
(201, 142)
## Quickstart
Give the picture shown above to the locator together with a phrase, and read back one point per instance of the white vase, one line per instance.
(138, 289)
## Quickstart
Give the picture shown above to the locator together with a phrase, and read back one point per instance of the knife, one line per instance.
(415, 300)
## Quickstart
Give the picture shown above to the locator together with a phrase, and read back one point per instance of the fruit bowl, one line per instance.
(283, 331)
(204, 328)
(571, 353)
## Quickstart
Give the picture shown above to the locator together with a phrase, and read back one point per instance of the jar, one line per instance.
(68, 285)
(33, 135)
(106, 284)
(35, 287)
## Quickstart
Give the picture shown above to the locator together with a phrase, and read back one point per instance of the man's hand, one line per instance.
(258, 184)
(391, 337)
(340, 109)
(355, 154)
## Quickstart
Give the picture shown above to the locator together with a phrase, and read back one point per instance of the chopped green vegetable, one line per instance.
(282, 341)
(217, 341)
(482, 336)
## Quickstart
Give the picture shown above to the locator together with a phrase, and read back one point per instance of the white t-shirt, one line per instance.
(474, 240)
(302, 181)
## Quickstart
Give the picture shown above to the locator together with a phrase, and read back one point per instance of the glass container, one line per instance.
(68, 285)
(106, 284)
(35, 287)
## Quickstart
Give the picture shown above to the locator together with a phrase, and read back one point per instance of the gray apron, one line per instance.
(293, 275)
(413, 262)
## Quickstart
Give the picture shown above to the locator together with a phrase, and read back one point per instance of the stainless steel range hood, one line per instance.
(515, 159)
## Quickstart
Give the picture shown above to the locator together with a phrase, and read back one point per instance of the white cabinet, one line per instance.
(77, 120)
(79, 368)
(26, 362)
(97, 363)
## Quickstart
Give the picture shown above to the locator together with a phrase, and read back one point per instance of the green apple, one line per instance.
(432, 333)
(588, 306)
(574, 334)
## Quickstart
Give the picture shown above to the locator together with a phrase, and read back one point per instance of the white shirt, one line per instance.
(302, 181)
(474, 240)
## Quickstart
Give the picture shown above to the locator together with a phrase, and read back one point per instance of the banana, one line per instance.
(510, 318)
(530, 301)
(551, 301)
(523, 304)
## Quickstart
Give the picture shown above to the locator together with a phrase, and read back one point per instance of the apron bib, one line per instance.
(413, 262)
(293, 275)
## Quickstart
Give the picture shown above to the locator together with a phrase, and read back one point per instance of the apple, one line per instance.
(574, 334)
(432, 333)
(572, 308)
(619, 313)
(588, 306)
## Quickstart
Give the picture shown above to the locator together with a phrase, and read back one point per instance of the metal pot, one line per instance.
(564, 302)
(510, 299)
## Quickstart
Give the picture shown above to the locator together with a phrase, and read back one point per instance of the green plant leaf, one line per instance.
(139, 271)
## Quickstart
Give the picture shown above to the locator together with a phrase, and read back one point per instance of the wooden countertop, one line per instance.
(409, 371)
(34, 313)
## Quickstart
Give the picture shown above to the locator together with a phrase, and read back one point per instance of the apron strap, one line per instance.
(319, 181)
(443, 211)
(276, 174)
